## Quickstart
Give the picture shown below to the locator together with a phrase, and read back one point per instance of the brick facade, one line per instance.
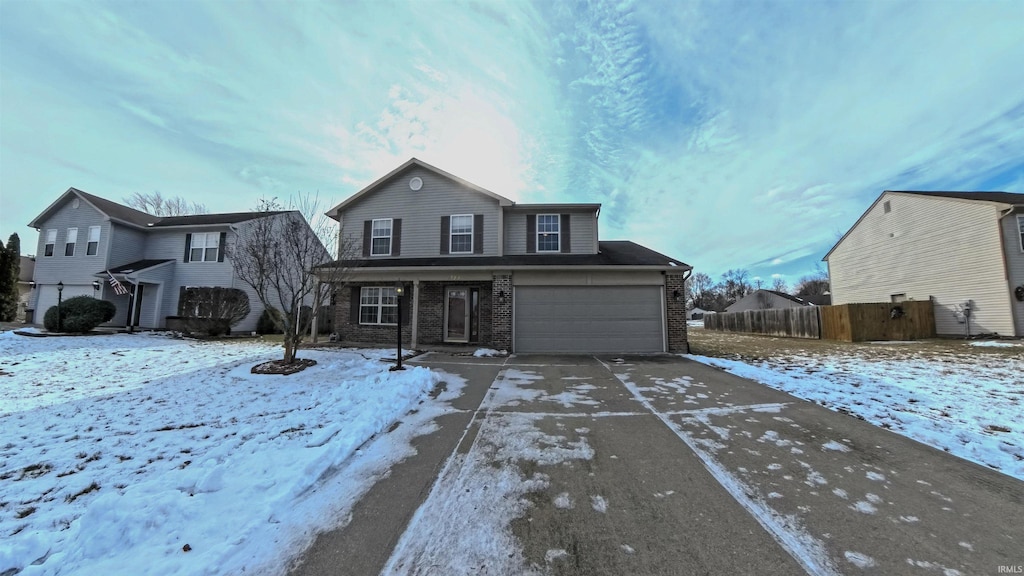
(676, 313)
(430, 321)
(501, 329)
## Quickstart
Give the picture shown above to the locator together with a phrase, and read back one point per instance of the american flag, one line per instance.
(119, 288)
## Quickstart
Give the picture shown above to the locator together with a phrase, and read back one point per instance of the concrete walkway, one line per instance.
(659, 465)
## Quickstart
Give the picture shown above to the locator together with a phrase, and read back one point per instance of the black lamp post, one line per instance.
(399, 290)
(95, 288)
(60, 296)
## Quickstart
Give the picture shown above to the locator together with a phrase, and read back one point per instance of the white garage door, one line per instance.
(588, 319)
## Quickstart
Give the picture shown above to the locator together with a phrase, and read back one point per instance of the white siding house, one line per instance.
(963, 250)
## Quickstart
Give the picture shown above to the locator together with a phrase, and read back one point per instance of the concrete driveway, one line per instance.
(660, 465)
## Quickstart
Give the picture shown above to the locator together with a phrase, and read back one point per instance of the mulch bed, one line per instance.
(280, 367)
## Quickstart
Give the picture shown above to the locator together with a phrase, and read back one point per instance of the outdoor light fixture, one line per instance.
(60, 296)
(675, 294)
(32, 285)
(95, 287)
(399, 291)
(501, 296)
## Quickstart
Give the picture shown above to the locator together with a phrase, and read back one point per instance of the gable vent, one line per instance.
(416, 183)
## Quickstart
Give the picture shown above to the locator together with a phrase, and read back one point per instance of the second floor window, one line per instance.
(94, 241)
(381, 237)
(462, 234)
(204, 247)
(69, 244)
(51, 241)
(548, 233)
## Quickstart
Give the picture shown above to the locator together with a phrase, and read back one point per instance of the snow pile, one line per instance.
(962, 405)
(487, 353)
(994, 344)
(137, 450)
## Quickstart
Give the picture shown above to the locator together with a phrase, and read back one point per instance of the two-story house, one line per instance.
(478, 268)
(962, 250)
(140, 262)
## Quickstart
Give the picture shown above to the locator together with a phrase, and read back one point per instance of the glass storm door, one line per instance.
(456, 310)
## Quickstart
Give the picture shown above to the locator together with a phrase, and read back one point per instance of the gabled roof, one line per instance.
(611, 253)
(1010, 199)
(133, 267)
(113, 210)
(137, 218)
(333, 212)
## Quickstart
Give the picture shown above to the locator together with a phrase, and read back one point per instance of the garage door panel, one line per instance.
(588, 319)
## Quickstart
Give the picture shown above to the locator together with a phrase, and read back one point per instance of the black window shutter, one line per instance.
(354, 311)
(446, 228)
(563, 234)
(367, 231)
(531, 233)
(396, 237)
(478, 234)
(181, 301)
(188, 246)
(220, 246)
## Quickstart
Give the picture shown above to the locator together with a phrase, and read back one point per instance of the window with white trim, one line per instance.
(69, 243)
(94, 241)
(548, 232)
(380, 237)
(461, 234)
(378, 305)
(1020, 227)
(204, 247)
(51, 241)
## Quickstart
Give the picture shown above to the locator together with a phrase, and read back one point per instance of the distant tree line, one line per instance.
(703, 292)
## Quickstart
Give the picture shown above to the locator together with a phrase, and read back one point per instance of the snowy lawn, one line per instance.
(124, 454)
(966, 398)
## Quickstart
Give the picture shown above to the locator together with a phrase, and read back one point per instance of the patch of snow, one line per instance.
(840, 493)
(910, 519)
(864, 507)
(563, 501)
(774, 495)
(859, 560)
(488, 352)
(993, 344)
(835, 446)
(873, 498)
(875, 476)
(934, 566)
(555, 554)
(627, 549)
(599, 504)
(967, 545)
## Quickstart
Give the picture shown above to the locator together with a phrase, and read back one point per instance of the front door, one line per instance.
(456, 313)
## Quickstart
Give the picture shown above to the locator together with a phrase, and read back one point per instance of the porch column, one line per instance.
(415, 312)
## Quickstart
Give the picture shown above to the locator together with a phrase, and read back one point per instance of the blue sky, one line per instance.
(726, 134)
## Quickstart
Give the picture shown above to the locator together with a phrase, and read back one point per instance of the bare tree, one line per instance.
(735, 284)
(276, 255)
(155, 204)
(702, 291)
(813, 284)
(779, 285)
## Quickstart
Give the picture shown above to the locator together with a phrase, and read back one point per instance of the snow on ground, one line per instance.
(994, 344)
(969, 407)
(489, 352)
(123, 451)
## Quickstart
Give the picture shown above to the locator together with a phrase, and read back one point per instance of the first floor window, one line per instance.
(548, 233)
(94, 241)
(378, 306)
(462, 234)
(69, 244)
(51, 241)
(204, 247)
(381, 237)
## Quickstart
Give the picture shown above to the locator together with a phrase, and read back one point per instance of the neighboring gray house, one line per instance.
(478, 268)
(963, 250)
(762, 299)
(696, 313)
(85, 240)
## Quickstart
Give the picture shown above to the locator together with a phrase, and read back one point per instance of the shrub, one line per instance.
(265, 324)
(79, 314)
(213, 311)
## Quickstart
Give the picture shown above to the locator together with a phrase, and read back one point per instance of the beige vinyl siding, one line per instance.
(1014, 266)
(582, 231)
(421, 212)
(944, 248)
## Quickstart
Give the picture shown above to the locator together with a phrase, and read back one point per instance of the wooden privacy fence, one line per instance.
(798, 322)
(910, 320)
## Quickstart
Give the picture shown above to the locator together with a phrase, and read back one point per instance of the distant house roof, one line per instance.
(818, 299)
(127, 215)
(611, 253)
(1010, 198)
(333, 212)
(742, 302)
